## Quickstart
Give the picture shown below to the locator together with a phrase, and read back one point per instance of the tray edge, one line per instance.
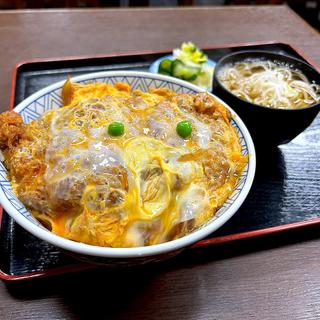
(199, 244)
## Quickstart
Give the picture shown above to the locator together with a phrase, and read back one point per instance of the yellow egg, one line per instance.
(143, 187)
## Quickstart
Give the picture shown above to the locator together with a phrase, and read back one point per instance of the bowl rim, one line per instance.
(136, 252)
(221, 62)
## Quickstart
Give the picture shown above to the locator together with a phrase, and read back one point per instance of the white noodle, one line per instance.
(269, 84)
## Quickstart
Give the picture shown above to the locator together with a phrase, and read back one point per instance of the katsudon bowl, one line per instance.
(50, 98)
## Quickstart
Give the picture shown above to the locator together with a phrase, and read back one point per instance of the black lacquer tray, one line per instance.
(285, 194)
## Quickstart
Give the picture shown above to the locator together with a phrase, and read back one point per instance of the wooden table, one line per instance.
(276, 277)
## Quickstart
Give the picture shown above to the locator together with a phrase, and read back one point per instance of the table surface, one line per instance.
(275, 277)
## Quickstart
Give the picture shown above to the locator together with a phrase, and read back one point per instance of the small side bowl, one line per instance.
(50, 98)
(268, 126)
(154, 67)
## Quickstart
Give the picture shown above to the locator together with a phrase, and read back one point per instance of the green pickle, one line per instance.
(184, 72)
(165, 67)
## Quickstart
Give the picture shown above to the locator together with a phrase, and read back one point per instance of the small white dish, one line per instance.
(154, 67)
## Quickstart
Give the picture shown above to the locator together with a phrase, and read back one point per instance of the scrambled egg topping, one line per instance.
(144, 187)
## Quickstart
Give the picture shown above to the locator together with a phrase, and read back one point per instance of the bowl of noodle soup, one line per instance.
(277, 96)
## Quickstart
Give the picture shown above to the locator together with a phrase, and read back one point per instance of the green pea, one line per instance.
(184, 129)
(116, 129)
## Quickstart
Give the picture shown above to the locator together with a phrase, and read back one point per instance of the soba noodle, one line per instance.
(269, 84)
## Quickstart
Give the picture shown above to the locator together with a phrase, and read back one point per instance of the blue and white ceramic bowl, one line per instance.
(49, 98)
